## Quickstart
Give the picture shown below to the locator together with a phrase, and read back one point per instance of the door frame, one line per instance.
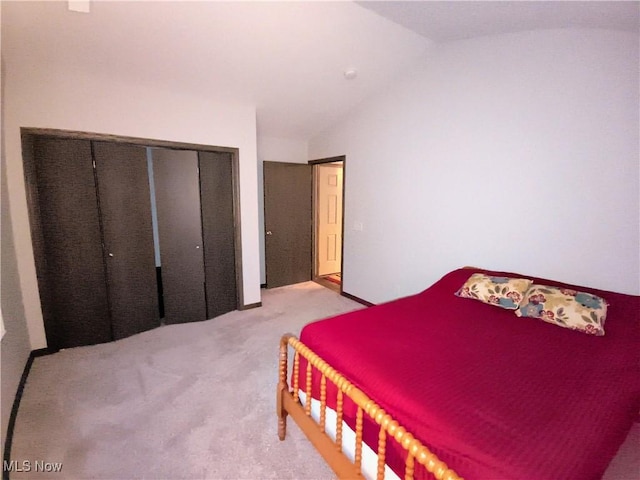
(28, 133)
(313, 163)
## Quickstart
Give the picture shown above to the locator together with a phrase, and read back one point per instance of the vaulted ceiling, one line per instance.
(286, 58)
(443, 21)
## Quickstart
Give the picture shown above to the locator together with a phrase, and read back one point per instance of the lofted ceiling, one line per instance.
(443, 21)
(286, 58)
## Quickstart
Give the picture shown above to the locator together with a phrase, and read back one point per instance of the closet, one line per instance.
(107, 216)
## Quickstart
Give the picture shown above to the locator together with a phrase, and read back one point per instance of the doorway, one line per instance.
(288, 223)
(328, 195)
(296, 248)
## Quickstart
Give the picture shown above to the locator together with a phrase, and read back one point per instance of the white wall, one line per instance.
(517, 152)
(274, 149)
(15, 346)
(44, 97)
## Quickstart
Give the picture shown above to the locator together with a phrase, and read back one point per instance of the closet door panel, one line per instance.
(218, 232)
(76, 310)
(180, 234)
(125, 206)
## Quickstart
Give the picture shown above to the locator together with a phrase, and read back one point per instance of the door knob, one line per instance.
(269, 232)
(111, 254)
(197, 246)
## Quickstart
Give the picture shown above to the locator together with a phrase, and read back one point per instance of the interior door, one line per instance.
(329, 226)
(288, 223)
(180, 234)
(125, 206)
(218, 232)
(72, 283)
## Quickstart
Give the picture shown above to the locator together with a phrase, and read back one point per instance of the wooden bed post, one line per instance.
(283, 387)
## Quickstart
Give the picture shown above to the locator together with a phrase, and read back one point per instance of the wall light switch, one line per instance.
(359, 226)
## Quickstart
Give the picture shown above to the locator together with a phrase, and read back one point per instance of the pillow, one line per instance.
(565, 307)
(504, 292)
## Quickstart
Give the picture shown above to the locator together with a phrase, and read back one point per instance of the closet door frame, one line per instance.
(27, 135)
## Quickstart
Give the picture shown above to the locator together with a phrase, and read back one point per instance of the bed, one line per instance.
(436, 385)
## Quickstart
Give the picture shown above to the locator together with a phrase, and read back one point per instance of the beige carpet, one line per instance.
(191, 401)
(183, 401)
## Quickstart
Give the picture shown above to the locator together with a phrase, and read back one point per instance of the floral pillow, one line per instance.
(565, 307)
(504, 292)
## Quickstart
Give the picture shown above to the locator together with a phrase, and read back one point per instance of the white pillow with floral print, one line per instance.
(565, 307)
(505, 292)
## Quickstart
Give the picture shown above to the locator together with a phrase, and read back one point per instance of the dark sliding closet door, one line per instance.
(125, 204)
(216, 193)
(74, 304)
(180, 234)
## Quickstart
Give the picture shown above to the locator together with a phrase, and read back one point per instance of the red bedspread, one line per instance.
(495, 396)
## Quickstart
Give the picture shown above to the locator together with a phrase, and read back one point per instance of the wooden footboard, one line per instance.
(288, 403)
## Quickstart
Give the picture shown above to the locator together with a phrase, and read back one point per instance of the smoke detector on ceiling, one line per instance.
(350, 73)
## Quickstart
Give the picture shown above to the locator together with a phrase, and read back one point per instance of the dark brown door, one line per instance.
(180, 234)
(218, 232)
(288, 222)
(125, 206)
(73, 289)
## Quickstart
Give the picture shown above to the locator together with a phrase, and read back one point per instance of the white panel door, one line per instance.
(329, 194)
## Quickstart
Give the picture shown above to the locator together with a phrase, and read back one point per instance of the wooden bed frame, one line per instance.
(288, 403)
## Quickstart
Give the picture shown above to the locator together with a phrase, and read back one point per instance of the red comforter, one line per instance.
(495, 396)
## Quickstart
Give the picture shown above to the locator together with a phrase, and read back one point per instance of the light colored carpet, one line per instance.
(183, 401)
(192, 401)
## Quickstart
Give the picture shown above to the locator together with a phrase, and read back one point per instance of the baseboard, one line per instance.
(41, 352)
(16, 405)
(357, 299)
(251, 305)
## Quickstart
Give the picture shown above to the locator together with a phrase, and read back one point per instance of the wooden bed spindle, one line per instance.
(307, 402)
(296, 379)
(283, 387)
(339, 406)
(323, 402)
(358, 457)
(409, 467)
(382, 447)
